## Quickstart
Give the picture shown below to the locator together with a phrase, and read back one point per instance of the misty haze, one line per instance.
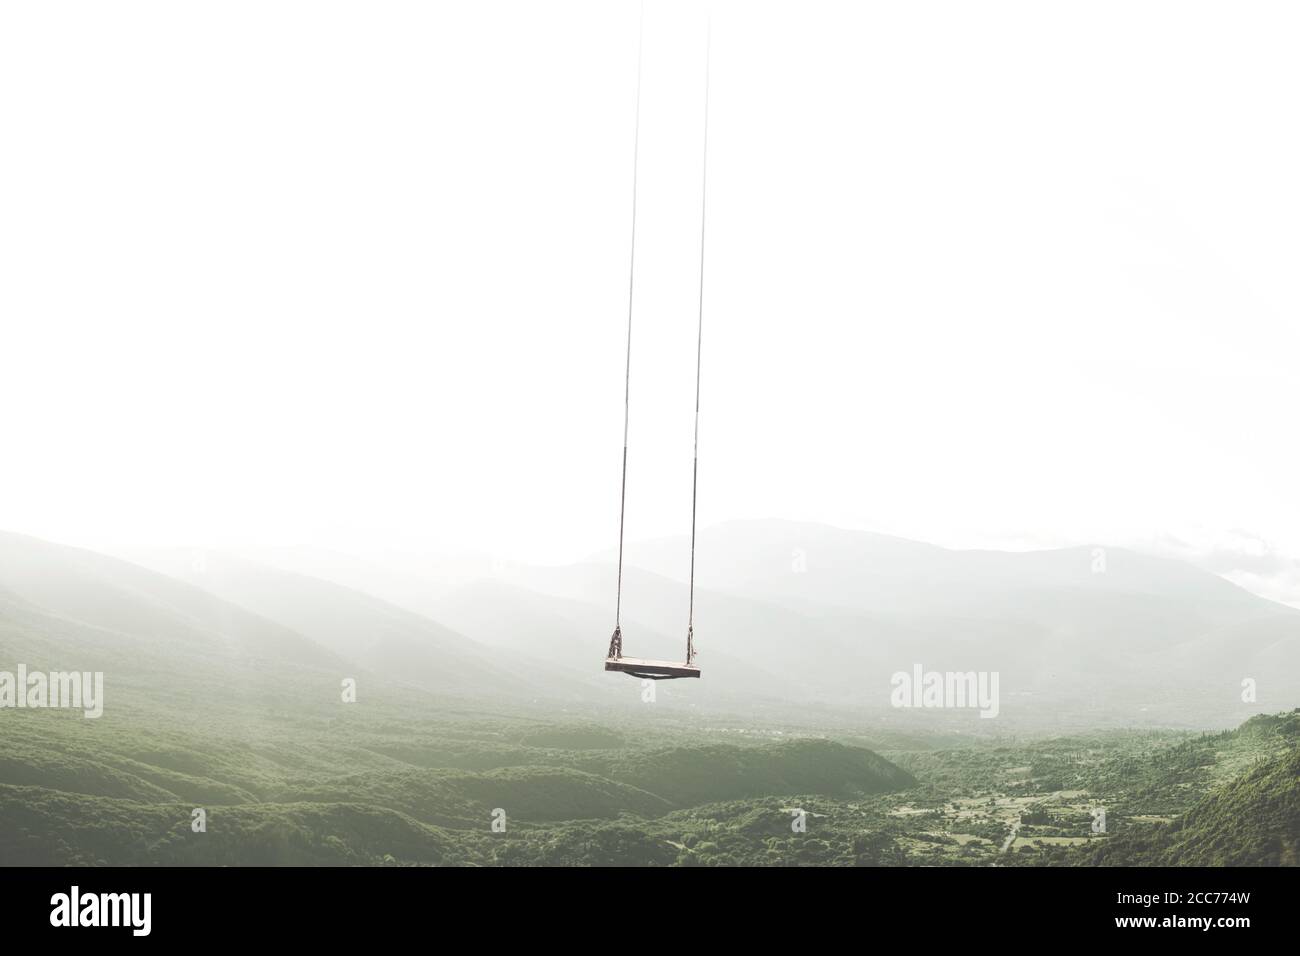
(391, 393)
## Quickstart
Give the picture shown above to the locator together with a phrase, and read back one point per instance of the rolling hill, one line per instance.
(94, 602)
(792, 613)
(1251, 819)
(380, 637)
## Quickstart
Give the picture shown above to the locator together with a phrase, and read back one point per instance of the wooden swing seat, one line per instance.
(651, 670)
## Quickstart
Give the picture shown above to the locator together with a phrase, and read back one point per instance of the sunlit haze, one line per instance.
(958, 287)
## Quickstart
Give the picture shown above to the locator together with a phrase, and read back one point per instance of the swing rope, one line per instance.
(699, 346)
(616, 641)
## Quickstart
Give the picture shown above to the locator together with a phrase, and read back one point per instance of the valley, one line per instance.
(491, 737)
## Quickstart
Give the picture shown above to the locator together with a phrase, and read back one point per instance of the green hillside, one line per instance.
(1250, 820)
(213, 706)
(697, 775)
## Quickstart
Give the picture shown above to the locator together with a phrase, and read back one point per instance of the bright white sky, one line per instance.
(344, 273)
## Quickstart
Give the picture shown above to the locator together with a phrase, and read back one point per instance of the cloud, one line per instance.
(1243, 557)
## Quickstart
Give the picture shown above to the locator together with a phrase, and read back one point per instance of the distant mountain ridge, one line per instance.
(358, 627)
(74, 597)
(836, 612)
(789, 613)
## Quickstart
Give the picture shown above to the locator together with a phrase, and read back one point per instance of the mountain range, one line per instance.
(786, 613)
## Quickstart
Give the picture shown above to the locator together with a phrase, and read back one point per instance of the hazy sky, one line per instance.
(336, 273)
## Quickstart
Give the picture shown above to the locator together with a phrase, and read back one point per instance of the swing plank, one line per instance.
(654, 670)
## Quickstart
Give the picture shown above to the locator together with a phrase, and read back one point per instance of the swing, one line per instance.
(614, 660)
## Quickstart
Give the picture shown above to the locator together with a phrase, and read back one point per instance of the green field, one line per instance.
(408, 781)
